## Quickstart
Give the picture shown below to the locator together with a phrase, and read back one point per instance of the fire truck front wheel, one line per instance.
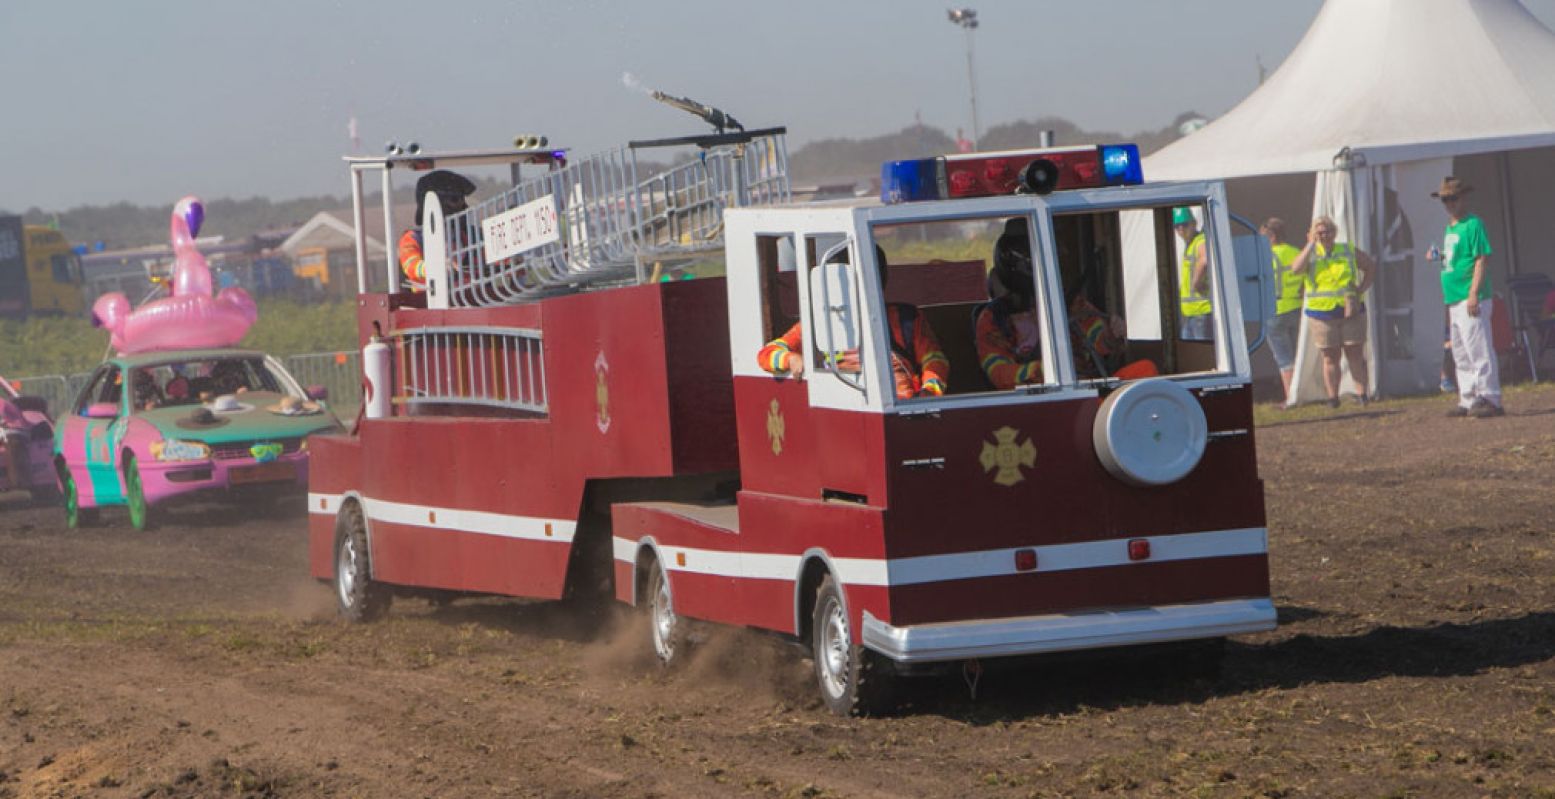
(854, 681)
(668, 629)
(356, 595)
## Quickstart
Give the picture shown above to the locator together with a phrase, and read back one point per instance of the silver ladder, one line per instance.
(611, 224)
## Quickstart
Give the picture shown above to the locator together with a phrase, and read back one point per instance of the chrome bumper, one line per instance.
(1029, 635)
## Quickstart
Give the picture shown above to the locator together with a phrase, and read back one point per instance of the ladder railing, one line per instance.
(501, 367)
(610, 221)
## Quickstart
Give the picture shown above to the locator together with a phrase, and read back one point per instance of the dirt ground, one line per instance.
(1412, 563)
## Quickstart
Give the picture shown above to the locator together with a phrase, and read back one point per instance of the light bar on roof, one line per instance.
(1036, 171)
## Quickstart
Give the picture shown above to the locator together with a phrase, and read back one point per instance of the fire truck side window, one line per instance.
(777, 261)
(988, 321)
(1165, 268)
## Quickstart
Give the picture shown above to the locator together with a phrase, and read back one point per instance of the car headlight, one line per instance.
(176, 450)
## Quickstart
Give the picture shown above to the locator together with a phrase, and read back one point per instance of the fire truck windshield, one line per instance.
(997, 306)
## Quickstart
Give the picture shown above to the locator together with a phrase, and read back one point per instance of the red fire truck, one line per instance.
(554, 416)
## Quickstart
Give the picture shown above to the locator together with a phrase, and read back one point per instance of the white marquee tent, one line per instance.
(1378, 102)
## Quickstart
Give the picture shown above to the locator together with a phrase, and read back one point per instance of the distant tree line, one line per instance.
(123, 225)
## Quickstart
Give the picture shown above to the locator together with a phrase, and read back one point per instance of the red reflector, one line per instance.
(1139, 549)
(1025, 560)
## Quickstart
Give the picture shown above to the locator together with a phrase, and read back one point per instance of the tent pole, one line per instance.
(1503, 161)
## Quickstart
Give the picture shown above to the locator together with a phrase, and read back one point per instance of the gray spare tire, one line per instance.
(1150, 433)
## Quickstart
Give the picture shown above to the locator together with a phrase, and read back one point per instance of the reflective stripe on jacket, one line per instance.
(411, 262)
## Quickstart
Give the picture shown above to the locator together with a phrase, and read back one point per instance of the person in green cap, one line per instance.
(1286, 324)
(1465, 257)
(1193, 283)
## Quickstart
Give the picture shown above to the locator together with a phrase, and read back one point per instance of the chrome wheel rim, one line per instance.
(345, 580)
(833, 656)
(663, 621)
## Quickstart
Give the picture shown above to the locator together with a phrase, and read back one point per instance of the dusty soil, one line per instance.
(1412, 562)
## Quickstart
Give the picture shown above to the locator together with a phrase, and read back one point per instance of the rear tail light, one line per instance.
(1025, 560)
(1139, 549)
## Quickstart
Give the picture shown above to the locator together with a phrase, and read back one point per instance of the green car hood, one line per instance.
(247, 425)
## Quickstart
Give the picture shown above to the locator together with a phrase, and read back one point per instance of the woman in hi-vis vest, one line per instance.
(1335, 313)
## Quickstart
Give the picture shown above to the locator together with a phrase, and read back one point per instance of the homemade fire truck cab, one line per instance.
(1109, 498)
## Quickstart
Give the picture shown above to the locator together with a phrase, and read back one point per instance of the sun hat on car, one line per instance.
(294, 406)
(228, 403)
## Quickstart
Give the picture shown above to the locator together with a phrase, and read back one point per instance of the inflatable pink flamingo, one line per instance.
(190, 318)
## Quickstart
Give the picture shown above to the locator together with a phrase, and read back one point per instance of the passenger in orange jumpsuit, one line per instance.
(451, 189)
(1009, 343)
(1009, 329)
(919, 365)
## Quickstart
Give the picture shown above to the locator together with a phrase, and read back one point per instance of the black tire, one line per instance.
(357, 596)
(853, 680)
(75, 515)
(666, 630)
(141, 516)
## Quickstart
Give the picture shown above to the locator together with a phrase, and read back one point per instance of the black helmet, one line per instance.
(443, 183)
(1012, 266)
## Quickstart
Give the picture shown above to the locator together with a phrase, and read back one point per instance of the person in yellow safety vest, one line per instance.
(1193, 282)
(918, 364)
(1286, 324)
(1335, 313)
(451, 189)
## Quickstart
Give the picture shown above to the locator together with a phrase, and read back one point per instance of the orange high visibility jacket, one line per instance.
(1005, 367)
(411, 263)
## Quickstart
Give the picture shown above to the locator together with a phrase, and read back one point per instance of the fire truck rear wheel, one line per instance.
(854, 681)
(668, 630)
(356, 595)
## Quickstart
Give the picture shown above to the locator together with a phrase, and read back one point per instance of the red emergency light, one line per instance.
(1037, 171)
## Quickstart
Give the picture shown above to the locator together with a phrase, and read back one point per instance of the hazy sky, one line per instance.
(149, 100)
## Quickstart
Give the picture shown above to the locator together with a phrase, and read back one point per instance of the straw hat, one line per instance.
(294, 406)
(1452, 187)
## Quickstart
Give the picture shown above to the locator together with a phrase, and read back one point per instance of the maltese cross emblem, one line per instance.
(1007, 457)
(775, 427)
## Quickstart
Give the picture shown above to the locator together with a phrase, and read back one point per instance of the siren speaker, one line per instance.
(1040, 176)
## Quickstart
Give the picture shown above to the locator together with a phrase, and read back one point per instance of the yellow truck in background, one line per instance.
(39, 272)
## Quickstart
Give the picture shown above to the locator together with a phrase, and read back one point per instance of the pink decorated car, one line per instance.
(153, 426)
(26, 440)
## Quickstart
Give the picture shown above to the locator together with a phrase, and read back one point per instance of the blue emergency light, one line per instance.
(1036, 171)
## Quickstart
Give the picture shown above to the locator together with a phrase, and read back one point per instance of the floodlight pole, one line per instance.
(967, 19)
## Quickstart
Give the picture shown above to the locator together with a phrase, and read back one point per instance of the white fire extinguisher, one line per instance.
(375, 368)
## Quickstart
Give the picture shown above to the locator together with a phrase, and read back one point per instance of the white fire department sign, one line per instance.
(521, 229)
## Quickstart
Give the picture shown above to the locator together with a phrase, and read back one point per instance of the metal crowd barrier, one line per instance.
(338, 372)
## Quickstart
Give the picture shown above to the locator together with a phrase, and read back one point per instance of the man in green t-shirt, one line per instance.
(1466, 290)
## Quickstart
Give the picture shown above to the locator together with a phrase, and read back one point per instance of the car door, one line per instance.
(89, 441)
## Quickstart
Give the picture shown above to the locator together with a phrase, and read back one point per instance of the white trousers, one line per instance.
(1474, 354)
